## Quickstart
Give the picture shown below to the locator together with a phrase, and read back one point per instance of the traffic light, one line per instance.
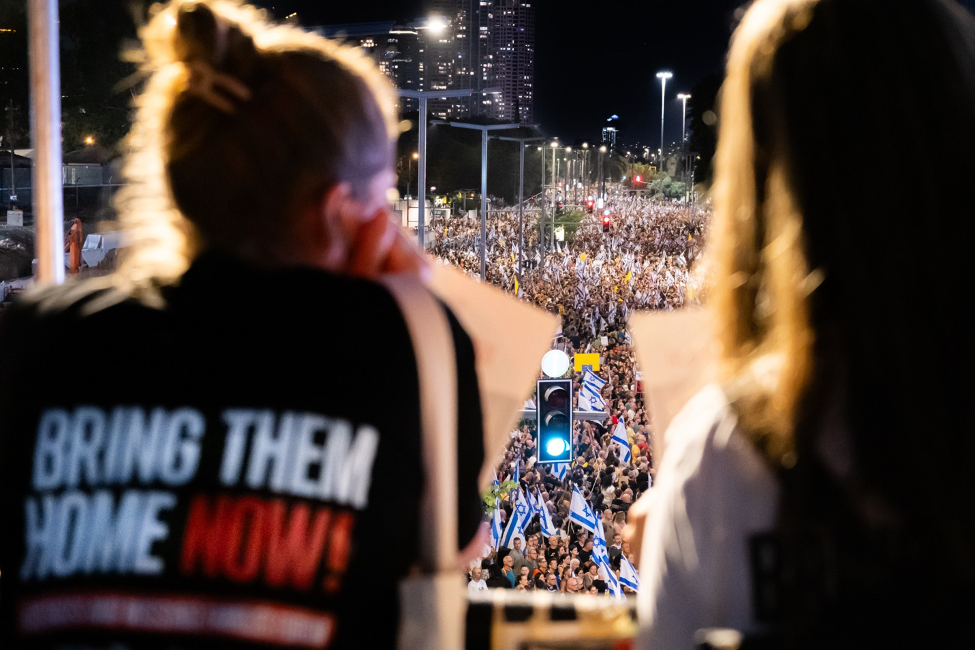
(554, 421)
(607, 221)
(590, 206)
(637, 179)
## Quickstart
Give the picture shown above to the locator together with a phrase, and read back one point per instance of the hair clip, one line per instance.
(205, 82)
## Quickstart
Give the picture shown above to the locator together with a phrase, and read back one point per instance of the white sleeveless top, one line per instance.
(712, 493)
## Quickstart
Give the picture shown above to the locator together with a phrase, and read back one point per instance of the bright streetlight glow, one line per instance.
(683, 97)
(435, 25)
(664, 76)
(89, 140)
(415, 155)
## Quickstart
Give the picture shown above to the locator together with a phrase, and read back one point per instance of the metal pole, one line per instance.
(555, 174)
(573, 177)
(522, 162)
(484, 192)
(10, 134)
(684, 97)
(600, 176)
(661, 140)
(542, 185)
(45, 78)
(421, 171)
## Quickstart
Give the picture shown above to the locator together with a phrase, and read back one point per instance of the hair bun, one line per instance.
(204, 35)
(199, 35)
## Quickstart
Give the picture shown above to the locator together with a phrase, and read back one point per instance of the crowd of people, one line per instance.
(647, 260)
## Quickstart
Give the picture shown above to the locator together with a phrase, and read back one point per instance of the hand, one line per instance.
(634, 530)
(381, 247)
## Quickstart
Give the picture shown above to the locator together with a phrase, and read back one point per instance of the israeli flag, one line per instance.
(580, 512)
(522, 514)
(515, 477)
(589, 398)
(629, 575)
(604, 561)
(620, 438)
(561, 470)
(545, 523)
(496, 529)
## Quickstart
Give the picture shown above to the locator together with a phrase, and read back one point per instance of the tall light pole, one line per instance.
(586, 170)
(664, 76)
(684, 98)
(45, 87)
(600, 176)
(422, 96)
(554, 174)
(522, 166)
(484, 128)
(542, 192)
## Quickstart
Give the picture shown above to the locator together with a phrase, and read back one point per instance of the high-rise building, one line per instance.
(514, 33)
(458, 44)
(447, 33)
(396, 47)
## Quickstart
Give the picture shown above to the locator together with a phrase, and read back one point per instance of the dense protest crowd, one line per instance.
(594, 281)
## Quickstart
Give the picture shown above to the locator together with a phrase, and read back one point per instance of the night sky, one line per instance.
(593, 59)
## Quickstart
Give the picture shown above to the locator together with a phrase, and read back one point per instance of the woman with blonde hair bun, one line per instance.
(819, 496)
(236, 460)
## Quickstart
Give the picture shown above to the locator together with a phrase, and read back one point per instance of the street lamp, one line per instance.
(600, 176)
(484, 128)
(522, 166)
(664, 76)
(683, 97)
(422, 96)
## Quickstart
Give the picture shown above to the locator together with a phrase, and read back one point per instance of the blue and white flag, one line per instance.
(580, 512)
(604, 561)
(560, 469)
(589, 398)
(629, 575)
(522, 514)
(496, 521)
(545, 523)
(515, 477)
(620, 438)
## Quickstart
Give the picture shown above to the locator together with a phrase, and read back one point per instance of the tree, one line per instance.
(666, 185)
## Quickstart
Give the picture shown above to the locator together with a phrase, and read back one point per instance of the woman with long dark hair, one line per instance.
(820, 494)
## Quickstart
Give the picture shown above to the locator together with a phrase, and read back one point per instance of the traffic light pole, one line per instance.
(484, 128)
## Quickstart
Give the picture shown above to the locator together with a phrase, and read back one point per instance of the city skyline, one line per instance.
(598, 59)
(456, 45)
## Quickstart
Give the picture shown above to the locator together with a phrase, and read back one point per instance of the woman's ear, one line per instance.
(338, 220)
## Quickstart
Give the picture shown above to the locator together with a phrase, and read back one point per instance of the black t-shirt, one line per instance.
(236, 462)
